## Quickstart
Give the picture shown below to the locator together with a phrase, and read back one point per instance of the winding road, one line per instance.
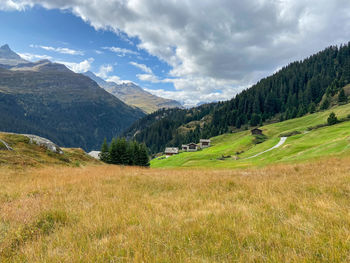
(281, 142)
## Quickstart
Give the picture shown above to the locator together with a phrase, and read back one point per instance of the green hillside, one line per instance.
(302, 87)
(25, 154)
(231, 150)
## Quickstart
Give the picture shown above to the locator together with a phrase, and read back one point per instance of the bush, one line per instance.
(332, 119)
(259, 138)
(288, 134)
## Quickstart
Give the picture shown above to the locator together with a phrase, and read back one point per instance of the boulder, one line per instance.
(49, 145)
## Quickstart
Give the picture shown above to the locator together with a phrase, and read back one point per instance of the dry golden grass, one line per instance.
(282, 213)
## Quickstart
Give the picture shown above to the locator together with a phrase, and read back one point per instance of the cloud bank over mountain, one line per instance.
(214, 48)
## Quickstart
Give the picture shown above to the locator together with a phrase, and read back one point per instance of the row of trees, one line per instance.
(123, 152)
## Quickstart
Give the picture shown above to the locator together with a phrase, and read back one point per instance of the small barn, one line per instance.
(184, 147)
(192, 147)
(204, 143)
(169, 151)
(256, 131)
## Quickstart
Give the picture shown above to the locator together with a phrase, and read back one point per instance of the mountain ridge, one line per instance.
(49, 100)
(134, 95)
(299, 88)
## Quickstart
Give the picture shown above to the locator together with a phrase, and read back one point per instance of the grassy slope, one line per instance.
(281, 213)
(331, 140)
(26, 154)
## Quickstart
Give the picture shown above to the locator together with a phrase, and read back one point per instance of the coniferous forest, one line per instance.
(300, 88)
(123, 152)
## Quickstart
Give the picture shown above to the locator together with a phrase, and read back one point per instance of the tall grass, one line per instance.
(281, 213)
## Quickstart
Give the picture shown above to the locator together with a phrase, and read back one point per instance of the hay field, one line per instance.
(280, 213)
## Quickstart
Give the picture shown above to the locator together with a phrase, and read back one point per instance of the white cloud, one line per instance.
(10, 5)
(143, 67)
(33, 57)
(104, 70)
(209, 43)
(121, 51)
(148, 77)
(117, 80)
(80, 67)
(62, 50)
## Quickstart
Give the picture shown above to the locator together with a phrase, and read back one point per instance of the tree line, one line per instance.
(302, 87)
(123, 152)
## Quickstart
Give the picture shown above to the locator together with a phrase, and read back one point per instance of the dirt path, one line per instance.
(282, 141)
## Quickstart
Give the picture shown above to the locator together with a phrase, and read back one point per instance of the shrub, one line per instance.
(260, 138)
(332, 119)
(288, 134)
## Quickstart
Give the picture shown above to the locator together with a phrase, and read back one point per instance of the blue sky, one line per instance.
(60, 36)
(191, 51)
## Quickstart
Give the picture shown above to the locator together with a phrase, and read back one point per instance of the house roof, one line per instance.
(192, 143)
(171, 150)
(204, 140)
(256, 129)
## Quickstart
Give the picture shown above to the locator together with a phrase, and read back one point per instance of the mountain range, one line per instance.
(134, 95)
(49, 100)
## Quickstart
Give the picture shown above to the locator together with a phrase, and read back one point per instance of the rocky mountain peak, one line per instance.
(6, 52)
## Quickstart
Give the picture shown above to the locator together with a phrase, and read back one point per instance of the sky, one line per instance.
(190, 50)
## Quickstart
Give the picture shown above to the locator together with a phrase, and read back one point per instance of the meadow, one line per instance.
(307, 144)
(102, 213)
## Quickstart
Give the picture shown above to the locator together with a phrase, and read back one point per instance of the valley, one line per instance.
(175, 131)
(305, 143)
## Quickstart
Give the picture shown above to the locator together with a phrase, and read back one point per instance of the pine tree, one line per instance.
(122, 149)
(129, 153)
(332, 119)
(113, 152)
(342, 97)
(104, 155)
(136, 153)
(312, 107)
(326, 103)
(255, 120)
(143, 156)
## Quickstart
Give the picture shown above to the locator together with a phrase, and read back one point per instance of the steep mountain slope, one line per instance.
(49, 100)
(297, 89)
(133, 95)
(307, 139)
(9, 58)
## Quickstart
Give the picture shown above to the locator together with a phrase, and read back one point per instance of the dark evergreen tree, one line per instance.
(136, 151)
(130, 153)
(104, 155)
(312, 107)
(126, 153)
(113, 152)
(325, 104)
(332, 119)
(342, 97)
(143, 156)
(255, 119)
(122, 149)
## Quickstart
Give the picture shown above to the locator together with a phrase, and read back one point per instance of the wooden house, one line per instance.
(192, 147)
(184, 147)
(203, 143)
(169, 151)
(256, 131)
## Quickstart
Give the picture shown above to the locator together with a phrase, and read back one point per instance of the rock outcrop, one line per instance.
(95, 154)
(52, 147)
(6, 145)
